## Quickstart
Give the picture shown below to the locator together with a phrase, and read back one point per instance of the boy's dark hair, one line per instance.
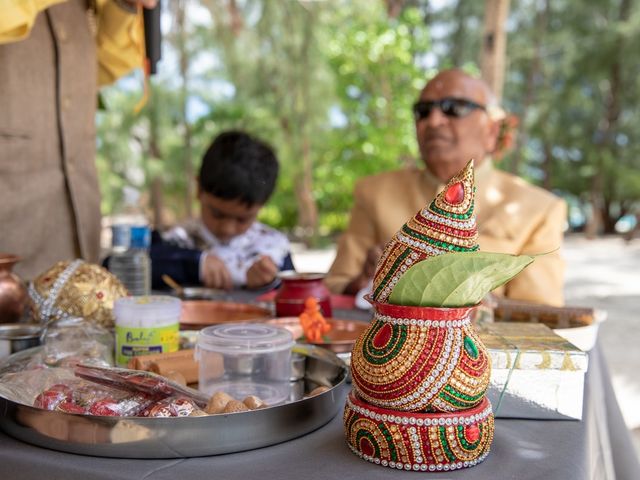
(240, 167)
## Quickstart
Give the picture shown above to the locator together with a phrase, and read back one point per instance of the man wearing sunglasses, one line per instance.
(456, 119)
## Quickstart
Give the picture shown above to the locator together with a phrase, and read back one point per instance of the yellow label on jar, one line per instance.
(132, 342)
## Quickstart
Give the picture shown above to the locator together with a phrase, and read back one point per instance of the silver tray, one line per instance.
(133, 437)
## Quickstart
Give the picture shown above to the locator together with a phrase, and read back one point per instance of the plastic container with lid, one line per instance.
(244, 359)
(146, 324)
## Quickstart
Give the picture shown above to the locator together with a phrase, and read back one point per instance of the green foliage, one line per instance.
(374, 61)
(582, 139)
(330, 86)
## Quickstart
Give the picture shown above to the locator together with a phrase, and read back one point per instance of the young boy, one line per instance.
(227, 247)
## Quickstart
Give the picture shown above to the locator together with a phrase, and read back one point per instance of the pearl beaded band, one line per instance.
(48, 308)
(424, 323)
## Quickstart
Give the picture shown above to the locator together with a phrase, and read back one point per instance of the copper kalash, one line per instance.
(420, 373)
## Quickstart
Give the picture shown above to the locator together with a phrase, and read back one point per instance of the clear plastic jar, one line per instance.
(145, 325)
(244, 359)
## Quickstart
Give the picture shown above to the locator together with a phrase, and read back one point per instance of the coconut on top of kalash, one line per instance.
(420, 363)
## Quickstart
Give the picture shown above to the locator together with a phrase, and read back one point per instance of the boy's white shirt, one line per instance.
(241, 252)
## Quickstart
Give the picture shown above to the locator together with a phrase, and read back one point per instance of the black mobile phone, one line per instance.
(153, 36)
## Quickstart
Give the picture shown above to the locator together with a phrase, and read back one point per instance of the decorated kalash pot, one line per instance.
(420, 371)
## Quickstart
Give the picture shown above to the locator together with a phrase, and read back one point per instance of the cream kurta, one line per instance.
(49, 194)
(513, 217)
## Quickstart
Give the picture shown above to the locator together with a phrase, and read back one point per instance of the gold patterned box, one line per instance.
(535, 373)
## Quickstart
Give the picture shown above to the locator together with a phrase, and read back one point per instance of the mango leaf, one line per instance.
(456, 279)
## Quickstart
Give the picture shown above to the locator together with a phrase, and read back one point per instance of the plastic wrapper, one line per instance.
(74, 340)
(146, 383)
(59, 389)
(24, 385)
(103, 391)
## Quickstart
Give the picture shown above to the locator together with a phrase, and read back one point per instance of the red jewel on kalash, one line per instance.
(472, 433)
(455, 194)
(383, 336)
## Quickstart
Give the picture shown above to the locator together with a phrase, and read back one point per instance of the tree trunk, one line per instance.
(601, 216)
(236, 21)
(154, 155)
(457, 40)
(395, 7)
(535, 75)
(546, 165)
(307, 207)
(183, 59)
(494, 45)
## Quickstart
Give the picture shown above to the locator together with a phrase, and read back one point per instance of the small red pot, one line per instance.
(296, 288)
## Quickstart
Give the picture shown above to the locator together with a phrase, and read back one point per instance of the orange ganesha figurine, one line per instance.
(313, 323)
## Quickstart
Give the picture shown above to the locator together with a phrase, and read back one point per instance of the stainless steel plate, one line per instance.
(133, 437)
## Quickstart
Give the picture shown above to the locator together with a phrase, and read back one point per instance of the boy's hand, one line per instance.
(215, 273)
(262, 272)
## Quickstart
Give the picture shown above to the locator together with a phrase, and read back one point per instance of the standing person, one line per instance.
(227, 247)
(456, 121)
(53, 56)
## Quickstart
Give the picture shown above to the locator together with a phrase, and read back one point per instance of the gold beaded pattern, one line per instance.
(76, 289)
(438, 228)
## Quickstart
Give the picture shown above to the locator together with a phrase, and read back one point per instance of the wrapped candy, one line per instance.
(145, 383)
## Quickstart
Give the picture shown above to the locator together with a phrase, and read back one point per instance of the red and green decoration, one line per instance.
(448, 224)
(419, 442)
(420, 360)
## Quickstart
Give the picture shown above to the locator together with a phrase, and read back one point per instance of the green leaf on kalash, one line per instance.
(459, 279)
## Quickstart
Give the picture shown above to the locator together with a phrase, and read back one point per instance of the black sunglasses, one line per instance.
(449, 106)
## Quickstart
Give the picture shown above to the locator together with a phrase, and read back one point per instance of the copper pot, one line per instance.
(13, 293)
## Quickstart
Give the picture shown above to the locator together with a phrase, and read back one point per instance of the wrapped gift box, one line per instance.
(579, 325)
(535, 373)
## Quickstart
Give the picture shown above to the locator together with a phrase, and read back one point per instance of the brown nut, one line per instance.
(318, 391)
(253, 402)
(217, 402)
(235, 406)
(197, 413)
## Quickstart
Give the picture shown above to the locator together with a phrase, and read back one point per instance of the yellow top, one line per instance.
(119, 35)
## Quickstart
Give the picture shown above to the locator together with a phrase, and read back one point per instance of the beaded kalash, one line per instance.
(420, 373)
(448, 224)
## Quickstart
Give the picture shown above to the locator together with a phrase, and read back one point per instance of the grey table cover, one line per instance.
(599, 447)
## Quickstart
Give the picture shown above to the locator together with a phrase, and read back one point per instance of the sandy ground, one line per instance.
(602, 273)
(605, 274)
